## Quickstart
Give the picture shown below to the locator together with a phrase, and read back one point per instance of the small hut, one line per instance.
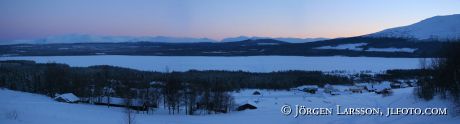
(135, 104)
(395, 84)
(246, 106)
(356, 89)
(333, 90)
(67, 97)
(383, 87)
(329, 88)
(308, 88)
(256, 93)
(366, 86)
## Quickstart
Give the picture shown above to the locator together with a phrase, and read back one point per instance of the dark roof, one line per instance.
(246, 106)
(256, 93)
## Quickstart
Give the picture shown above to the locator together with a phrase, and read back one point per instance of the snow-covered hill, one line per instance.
(285, 39)
(84, 38)
(26, 108)
(438, 27)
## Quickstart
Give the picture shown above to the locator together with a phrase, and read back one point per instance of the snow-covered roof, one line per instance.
(108, 90)
(336, 93)
(368, 86)
(356, 88)
(363, 84)
(308, 87)
(341, 87)
(156, 83)
(251, 102)
(68, 97)
(407, 80)
(382, 86)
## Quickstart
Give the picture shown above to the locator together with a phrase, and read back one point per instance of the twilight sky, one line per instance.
(216, 19)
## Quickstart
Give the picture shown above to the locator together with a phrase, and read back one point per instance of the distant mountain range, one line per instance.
(440, 28)
(84, 38)
(285, 39)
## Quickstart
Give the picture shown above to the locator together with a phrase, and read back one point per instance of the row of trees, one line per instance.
(196, 95)
(53, 78)
(192, 91)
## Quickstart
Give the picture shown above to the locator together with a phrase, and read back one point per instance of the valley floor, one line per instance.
(27, 108)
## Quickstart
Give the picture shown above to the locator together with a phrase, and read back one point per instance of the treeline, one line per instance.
(203, 91)
(395, 74)
(239, 48)
(441, 76)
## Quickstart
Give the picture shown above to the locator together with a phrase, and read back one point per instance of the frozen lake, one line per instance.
(248, 63)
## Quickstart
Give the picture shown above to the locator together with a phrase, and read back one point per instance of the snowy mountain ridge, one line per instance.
(285, 39)
(85, 38)
(439, 27)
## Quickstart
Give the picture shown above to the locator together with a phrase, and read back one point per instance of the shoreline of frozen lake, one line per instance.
(245, 63)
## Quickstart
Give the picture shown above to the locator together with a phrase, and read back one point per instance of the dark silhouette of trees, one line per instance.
(442, 75)
(172, 93)
(56, 78)
(192, 91)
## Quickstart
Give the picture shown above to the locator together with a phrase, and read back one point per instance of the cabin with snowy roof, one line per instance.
(67, 97)
(366, 86)
(383, 87)
(135, 104)
(308, 88)
(356, 89)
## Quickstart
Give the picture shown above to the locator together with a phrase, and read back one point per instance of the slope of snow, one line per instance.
(438, 27)
(354, 46)
(38, 109)
(83, 38)
(247, 63)
(285, 39)
(359, 47)
(392, 49)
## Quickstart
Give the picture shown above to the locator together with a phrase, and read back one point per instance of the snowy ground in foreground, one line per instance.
(245, 63)
(38, 109)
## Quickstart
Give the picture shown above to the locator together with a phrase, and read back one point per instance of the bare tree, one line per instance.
(130, 116)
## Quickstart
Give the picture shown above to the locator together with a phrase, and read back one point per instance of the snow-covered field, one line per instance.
(38, 109)
(249, 63)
